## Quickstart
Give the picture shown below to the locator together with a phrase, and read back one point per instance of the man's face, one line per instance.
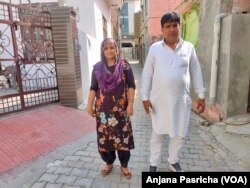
(171, 30)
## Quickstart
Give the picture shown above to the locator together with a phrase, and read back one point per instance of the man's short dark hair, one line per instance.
(170, 17)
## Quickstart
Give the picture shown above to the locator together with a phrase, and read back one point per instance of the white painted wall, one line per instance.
(137, 6)
(86, 22)
(98, 22)
(84, 66)
(103, 7)
(90, 13)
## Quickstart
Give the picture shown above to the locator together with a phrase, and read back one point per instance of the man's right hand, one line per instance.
(146, 105)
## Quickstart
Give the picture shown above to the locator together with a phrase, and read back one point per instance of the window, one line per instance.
(124, 19)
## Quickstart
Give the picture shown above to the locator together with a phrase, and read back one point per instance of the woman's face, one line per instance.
(109, 51)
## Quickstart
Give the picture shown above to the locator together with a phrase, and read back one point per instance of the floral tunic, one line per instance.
(114, 129)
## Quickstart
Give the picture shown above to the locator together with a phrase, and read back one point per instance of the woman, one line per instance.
(112, 89)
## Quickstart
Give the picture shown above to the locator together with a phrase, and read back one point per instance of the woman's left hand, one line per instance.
(130, 110)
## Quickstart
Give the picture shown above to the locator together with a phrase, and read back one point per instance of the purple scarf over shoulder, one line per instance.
(108, 81)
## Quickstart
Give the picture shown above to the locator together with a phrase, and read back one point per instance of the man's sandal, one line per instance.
(106, 169)
(126, 174)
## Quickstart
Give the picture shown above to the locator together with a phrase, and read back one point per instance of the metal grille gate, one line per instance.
(27, 62)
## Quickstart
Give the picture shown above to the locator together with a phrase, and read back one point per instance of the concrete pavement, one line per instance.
(77, 164)
(231, 140)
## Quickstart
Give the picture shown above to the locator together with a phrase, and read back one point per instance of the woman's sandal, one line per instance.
(106, 169)
(126, 174)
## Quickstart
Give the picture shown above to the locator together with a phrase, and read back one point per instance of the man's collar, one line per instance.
(180, 41)
(178, 44)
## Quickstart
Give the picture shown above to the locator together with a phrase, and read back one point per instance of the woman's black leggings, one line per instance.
(109, 157)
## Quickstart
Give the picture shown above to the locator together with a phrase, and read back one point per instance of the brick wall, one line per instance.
(66, 46)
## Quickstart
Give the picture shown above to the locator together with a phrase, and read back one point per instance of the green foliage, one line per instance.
(195, 6)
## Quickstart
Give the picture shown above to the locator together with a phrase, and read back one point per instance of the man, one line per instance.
(171, 66)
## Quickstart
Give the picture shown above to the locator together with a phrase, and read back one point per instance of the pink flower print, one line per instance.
(117, 140)
(101, 128)
(101, 140)
(112, 121)
(125, 140)
(125, 128)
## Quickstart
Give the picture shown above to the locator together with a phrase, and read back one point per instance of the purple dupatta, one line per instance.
(107, 80)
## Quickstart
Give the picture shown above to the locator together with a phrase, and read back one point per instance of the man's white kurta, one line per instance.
(166, 79)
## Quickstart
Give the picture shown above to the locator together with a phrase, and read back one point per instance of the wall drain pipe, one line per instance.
(215, 57)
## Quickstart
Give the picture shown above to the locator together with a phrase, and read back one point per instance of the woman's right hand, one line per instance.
(91, 111)
(146, 105)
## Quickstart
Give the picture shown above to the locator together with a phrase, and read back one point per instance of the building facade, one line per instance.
(225, 59)
(127, 27)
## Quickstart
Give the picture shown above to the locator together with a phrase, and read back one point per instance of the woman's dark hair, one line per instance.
(170, 17)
